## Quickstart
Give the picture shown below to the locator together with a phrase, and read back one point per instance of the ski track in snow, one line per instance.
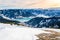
(14, 32)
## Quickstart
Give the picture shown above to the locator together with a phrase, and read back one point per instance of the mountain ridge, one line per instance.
(40, 22)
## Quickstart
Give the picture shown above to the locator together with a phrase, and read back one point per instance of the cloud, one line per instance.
(30, 3)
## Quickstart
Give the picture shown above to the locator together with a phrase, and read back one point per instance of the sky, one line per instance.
(29, 3)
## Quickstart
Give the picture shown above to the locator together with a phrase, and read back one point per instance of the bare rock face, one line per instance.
(49, 36)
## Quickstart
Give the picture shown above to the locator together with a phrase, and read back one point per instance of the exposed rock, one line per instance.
(53, 35)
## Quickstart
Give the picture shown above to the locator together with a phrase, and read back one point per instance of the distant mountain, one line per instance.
(19, 13)
(40, 22)
(5, 20)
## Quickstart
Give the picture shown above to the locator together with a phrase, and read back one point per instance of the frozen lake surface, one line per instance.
(24, 19)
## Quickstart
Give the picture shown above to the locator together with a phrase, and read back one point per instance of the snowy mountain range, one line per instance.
(4, 19)
(19, 13)
(35, 17)
(40, 22)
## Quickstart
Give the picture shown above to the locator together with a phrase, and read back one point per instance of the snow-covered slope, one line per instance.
(1, 15)
(4, 19)
(14, 32)
(42, 15)
(40, 22)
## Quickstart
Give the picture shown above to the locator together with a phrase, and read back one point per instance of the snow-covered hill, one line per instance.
(14, 32)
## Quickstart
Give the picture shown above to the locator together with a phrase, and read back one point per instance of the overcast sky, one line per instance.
(29, 3)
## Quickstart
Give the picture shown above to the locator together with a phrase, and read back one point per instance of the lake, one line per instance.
(23, 19)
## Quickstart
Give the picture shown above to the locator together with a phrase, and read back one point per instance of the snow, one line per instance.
(4, 17)
(14, 32)
(42, 15)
